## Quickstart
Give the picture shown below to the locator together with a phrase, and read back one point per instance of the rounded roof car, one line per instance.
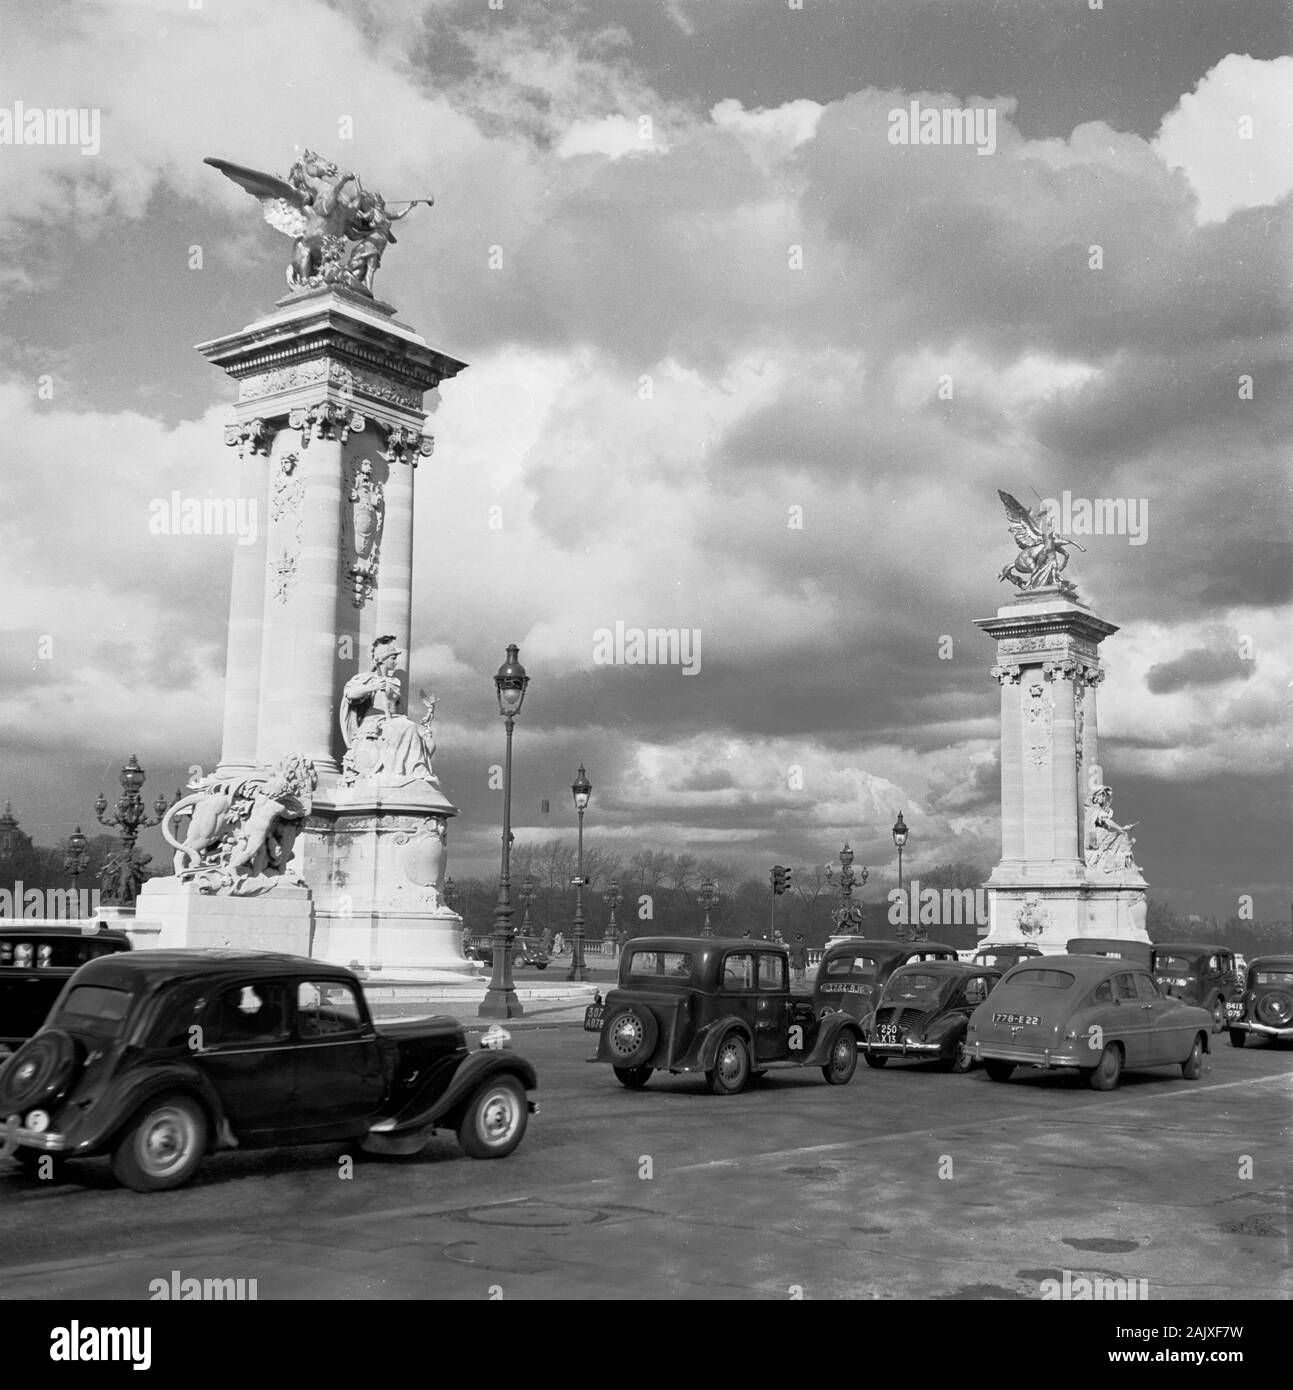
(37, 957)
(1100, 1014)
(924, 1010)
(1265, 1009)
(156, 1056)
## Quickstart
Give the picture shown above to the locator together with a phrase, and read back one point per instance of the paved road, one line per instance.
(906, 1184)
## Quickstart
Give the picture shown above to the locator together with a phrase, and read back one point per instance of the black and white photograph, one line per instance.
(646, 657)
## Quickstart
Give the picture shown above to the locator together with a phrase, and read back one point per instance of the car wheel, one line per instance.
(1219, 1014)
(999, 1071)
(963, 1062)
(1238, 1037)
(38, 1071)
(844, 1060)
(630, 1035)
(518, 960)
(875, 1060)
(633, 1077)
(731, 1069)
(541, 964)
(494, 1122)
(162, 1146)
(1275, 1008)
(1107, 1072)
(1192, 1067)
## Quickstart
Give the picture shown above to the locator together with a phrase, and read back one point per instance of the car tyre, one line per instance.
(1107, 1072)
(162, 1145)
(633, 1077)
(874, 1059)
(1192, 1067)
(40, 1070)
(962, 1063)
(998, 1070)
(1219, 1014)
(518, 960)
(1238, 1037)
(541, 964)
(630, 1035)
(494, 1121)
(731, 1070)
(844, 1059)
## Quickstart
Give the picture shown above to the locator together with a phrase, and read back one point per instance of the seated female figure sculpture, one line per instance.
(383, 746)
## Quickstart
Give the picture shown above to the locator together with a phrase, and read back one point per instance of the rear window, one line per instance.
(1178, 965)
(1043, 979)
(95, 1009)
(859, 967)
(1271, 977)
(914, 986)
(676, 964)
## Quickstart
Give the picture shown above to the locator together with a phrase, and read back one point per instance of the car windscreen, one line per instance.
(1043, 979)
(1271, 977)
(857, 967)
(915, 987)
(669, 964)
(997, 960)
(94, 1009)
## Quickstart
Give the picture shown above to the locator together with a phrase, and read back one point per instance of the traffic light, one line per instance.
(780, 879)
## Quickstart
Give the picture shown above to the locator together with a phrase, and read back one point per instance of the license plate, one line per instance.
(593, 1016)
(887, 1033)
(1235, 1008)
(1026, 1020)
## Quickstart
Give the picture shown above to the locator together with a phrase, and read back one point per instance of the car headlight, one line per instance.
(38, 1121)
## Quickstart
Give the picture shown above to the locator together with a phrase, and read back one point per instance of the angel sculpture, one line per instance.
(1042, 554)
(324, 210)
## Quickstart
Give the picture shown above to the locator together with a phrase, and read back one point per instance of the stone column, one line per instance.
(246, 604)
(1012, 765)
(1064, 801)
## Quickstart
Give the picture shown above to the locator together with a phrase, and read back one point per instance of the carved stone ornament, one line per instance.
(1065, 669)
(367, 514)
(256, 435)
(1038, 718)
(1092, 675)
(1032, 918)
(1010, 672)
(285, 514)
(405, 445)
(327, 420)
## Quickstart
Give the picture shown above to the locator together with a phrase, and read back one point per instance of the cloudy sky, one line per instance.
(724, 294)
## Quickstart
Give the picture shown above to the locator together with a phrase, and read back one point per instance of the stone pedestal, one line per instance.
(1049, 669)
(185, 917)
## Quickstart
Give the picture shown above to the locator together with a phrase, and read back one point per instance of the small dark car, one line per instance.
(1112, 948)
(1265, 1009)
(155, 1057)
(1202, 975)
(1001, 958)
(37, 958)
(526, 950)
(721, 1006)
(853, 971)
(923, 1013)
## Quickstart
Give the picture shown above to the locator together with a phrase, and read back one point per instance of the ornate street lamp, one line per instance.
(500, 998)
(527, 895)
(848, 916)
(74, 860)
(613, 898)
(129, 817)
(450, 893)
(581, 790)
(708, 899)
(900, 839)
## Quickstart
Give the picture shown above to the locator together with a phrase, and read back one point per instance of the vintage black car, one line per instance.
(1265, 1009)
(37, 958)
(1003, 957)
(155, 1057)
(526, 950)
(718, 1005)
(923, 1013)
(1202, 975)
(853, 971)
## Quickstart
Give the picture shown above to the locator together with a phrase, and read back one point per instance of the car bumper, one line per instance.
(1028, 1056)
(902, 1049)
(1265, 1030)
(13, 1132)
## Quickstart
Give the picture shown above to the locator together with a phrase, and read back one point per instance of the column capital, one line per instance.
(1008, 673)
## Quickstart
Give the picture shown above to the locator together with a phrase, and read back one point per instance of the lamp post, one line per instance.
(581, 790)
(848, 915)
(527, 895)
(129, 817)
(613, 898)
(900, 839)
(74, 859)
(500, 998)
(450, 893)
(708, 899)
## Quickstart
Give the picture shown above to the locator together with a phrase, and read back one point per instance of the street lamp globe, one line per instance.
(510, 682)
(900, 831)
